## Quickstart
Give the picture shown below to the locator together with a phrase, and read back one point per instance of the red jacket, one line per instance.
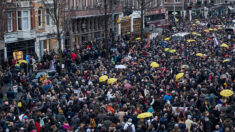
(74, 56)
(38, 126)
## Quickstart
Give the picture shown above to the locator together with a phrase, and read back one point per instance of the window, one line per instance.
(23, 20)
(9, 21)
(92, 3)
(47, 17)
(177, 1)
(74, 4)
(40, 18)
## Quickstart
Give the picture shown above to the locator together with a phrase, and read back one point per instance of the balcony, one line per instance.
(23, 4)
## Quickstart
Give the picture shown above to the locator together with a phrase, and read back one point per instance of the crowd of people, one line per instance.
(76, 100)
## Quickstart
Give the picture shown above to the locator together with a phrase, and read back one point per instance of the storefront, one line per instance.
(26, 46)
(125, 25)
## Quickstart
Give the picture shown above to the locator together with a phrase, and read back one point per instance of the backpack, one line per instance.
(129, 128)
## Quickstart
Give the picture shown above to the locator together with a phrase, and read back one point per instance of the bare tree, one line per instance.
(143, 6)
(108, 7)
(56, 10)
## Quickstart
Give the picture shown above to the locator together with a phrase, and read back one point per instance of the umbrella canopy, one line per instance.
(194, 33)
(219, 28)
(127, 85)
(226, 93)
(215, 29)
(194, 24)
(145, 115)
(198, 34)
(224, 45)
(112, 80)
(120, 66)
(103, 78)
(154, 64)
(172, 51)
(22, 61)
(179, 75)
(167, 39)
(199, 54)
(197, 21)
(191, 40)
(207, 31)
(166, 49)
(185, 66)
(210, 29)
(138, 38)
(226, 60)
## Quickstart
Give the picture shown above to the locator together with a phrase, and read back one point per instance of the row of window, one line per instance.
(24, 22)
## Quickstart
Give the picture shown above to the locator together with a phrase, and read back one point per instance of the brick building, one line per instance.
(19, 23)
(87, 20)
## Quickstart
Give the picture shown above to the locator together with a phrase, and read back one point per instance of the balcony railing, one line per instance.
(23, 4)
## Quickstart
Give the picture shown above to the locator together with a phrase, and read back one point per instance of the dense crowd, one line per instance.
(75, 100)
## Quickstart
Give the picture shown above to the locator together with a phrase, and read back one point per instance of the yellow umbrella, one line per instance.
(191, 40)
(103, 78)
(173, 27)
(138, 38)
(112, 80)
(22, 61)
(224, 45)
(194, 33)
(219, 28)
(194, 24)
(198, 34)
(219, 25)
(215, 29)
(199, 54)
(145, 115)
(166, 39)
(210, 29)
(197, 22)
(226, 93)
(179, 75)
(154, 64)
(166, 49)
(206, 31)
(185, 66)
(174, 13)
(176, 20)
(172, 51)
(226, 60)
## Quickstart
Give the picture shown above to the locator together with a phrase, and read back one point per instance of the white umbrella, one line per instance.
(120, 66)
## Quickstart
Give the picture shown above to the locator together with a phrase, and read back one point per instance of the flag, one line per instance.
(216, 42)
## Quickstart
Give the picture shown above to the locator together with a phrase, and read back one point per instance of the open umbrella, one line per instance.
(226, 93)
(166, 49)
(191, 40)
(127, 85)
(210, 29)
(167, 39)
(185, 66)
(215, 29)
(172, 51)
(103, 78)
(199, 54)
(224, 45)
(154, 64)
(138, 38)
(198, 34)
(179, 75)
(207, 31)
(120, 66)
(22, 61)
(112, 80)
(226, 60)
(194, 33)
(145, 115)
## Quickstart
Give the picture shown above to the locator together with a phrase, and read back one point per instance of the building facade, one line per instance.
(1, 33)
(19, 23)
(87, 20)
(45, 30)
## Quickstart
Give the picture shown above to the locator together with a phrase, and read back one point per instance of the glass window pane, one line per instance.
(19, 21)
(39, 18)
(25, 14)
(26, 23)
(9, 21)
